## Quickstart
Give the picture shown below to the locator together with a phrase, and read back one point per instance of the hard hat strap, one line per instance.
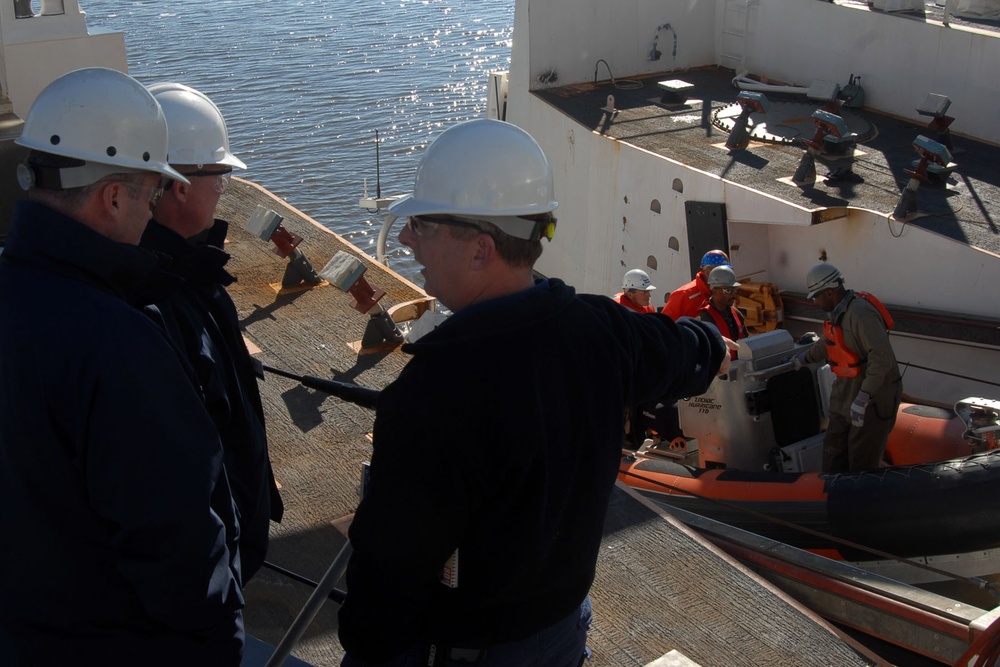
(516, 226)
(66, 178)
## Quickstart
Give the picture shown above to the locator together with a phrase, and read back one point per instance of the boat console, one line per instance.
(763, 403)
(768, 415)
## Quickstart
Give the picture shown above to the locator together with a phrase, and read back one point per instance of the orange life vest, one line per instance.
(844, 362)
(723, 326)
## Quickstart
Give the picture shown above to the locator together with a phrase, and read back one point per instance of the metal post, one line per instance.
(311, 607)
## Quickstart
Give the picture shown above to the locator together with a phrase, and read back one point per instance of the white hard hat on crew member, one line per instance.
(70, 119)
(637, 279)
(723, 276)
(484, 170)
(198, 134)
(821, 277)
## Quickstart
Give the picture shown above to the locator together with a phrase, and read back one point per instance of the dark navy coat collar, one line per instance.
(200, 261)
(56, 242)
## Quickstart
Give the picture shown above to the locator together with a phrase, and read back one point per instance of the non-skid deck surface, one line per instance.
(661, 588)
(317, 442)
(657, 588)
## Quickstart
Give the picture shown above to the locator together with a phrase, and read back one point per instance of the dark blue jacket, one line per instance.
(119, 529)
(502, 439)
(202, 322)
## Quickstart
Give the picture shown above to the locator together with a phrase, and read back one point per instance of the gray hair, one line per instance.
(513, 250)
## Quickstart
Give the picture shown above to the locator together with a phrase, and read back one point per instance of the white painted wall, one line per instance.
(927, 270)
(796, 41)
(59, 19)
(568, 37)
(32, 66)
(605, 189)
(37, 50)
(899, 60)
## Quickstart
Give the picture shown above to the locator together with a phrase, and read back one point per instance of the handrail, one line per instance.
(383, 236)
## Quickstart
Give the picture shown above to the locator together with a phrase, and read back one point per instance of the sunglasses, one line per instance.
(822, 294)
(727, 290)
(222, 177)
(155, 191)
(424, 226)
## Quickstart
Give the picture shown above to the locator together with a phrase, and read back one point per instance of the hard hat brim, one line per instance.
(232, 161)
(408, 205)
(511, 224)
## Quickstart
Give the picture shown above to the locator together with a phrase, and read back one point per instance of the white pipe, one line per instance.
(746, 83)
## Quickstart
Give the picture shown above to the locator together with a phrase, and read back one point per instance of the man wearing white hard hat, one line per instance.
(636, 292)
(868, 387)
(496, 449)
(121, 535)
(201, 317)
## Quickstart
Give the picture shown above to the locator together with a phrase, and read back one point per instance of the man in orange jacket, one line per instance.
(687, 300)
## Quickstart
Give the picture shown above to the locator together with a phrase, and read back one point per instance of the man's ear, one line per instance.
(485, 251)
(113, 193)
(178, 191)
(105, 211)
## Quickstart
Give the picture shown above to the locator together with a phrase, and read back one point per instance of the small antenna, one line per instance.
(378, 172)
(378, 203)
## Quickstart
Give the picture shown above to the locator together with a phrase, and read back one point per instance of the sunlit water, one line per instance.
(304, 84)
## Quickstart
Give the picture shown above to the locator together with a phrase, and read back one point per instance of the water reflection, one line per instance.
(304, 84)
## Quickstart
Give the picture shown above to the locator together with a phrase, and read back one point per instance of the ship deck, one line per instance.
(659, 588)
(966, 208)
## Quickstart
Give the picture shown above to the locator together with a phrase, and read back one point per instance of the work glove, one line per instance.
(858, 408)
(799, 359)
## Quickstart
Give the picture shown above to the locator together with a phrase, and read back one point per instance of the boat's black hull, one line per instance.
(916, 510)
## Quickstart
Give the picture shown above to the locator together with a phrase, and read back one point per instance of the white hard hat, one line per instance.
(102, 117)
(483, 169)
(821, 277)
(637, 279)
(197, 130)
(722, 276)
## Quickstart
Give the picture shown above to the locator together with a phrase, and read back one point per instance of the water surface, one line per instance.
(304, 84)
